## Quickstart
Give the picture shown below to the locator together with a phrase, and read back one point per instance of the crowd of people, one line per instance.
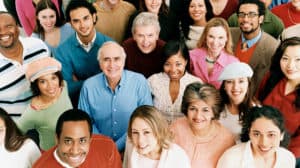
(150, 83)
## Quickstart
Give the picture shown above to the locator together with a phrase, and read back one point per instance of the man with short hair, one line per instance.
(145, 50)
(111, 96)
(252, 45)
(78, 54)
(15, 54)
(77, 147)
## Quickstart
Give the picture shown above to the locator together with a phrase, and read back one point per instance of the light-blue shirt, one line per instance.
(110, 110)
(253, 41)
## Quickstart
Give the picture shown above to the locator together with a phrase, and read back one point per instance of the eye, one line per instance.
(228, 81)
(256, 134)
(68, 141)
(134, 132)
(284, 58)
(192, 109)
(83, 140)
(178, 64)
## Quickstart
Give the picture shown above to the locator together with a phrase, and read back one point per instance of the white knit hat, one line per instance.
(236, 70)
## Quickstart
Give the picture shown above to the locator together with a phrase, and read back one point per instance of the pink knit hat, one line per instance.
(42, 66)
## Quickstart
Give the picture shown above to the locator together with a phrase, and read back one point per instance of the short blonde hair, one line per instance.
(216, 22)
(156, 121)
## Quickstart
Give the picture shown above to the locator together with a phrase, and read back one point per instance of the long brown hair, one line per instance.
(13, 137)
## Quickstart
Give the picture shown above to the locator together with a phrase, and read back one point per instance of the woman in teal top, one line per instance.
(50, 100)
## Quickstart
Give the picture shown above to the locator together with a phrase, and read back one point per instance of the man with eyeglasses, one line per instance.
(272, 24)
(252, 44)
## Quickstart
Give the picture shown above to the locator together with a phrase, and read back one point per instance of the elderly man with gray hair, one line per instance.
(112, 95)
(144, 50)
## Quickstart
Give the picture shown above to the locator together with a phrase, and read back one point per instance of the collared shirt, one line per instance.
(110, 110)
(15, 92)
(86, 47)
(253, 41)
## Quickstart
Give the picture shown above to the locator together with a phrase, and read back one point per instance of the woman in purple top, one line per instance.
(214, 52)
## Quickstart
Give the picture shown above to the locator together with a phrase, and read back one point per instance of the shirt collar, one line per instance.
(88, 46)
(251, 42)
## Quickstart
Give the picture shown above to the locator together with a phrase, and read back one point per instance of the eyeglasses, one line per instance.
(250, 15)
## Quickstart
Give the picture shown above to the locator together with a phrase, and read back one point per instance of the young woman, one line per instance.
(263, 134)
(50, 100)
(50, 26)
(237, 96)
(214, 52)
(149, 144)
(167, 87)
(199, 133)
(281, 89)
(196, 13)
(16, 150)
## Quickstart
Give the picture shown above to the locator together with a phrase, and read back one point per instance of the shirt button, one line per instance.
(115, 134)
(115, 110)
(115, 122)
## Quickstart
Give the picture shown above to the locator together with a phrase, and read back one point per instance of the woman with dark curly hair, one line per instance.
(281, 89)
(264, 137)
(16, 150)
(50, 100)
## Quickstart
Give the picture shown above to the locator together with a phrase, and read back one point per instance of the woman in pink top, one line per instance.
(199, 133)
(214, 52)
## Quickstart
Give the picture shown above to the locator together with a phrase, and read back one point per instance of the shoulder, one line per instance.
(32, 42)
(102, 38)
(104, 143)
(134, 75)
(157, 77)
(197, 52)
(235, 152)
(285, 157)
(94, 80)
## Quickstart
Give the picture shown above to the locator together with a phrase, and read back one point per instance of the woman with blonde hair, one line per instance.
(150, 142)
(213, 52)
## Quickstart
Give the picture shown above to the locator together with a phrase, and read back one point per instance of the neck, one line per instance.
(51, 30)
(205, 132)
(233, 108)
(213, 55)
(15, 52)
(113, 83)
(87, 39)
(201, 22)
(107, 5)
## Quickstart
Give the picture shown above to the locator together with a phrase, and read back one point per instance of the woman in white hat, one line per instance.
(50, 100)
(236, 95)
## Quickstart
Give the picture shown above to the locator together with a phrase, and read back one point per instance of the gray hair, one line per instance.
(123, 53)
(145, 19)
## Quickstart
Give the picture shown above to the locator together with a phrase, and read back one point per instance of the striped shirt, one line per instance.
(15, 92)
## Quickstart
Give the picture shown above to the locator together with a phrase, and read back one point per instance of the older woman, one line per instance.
(214, 52)
(16, 150)
(150, 143)
(199, 133)
(281, 89)
(167, 87)
(195, 16)
(50, 26)
(50, 100)
(263, 135)
(236, 95)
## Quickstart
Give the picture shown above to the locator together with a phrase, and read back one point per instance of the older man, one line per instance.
(145, 50)
(77, 147)
(15, 54)
(111, 96)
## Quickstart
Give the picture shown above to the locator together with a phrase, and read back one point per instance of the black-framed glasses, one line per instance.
(250, 14)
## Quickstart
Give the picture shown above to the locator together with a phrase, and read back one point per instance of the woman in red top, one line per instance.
(281, 89)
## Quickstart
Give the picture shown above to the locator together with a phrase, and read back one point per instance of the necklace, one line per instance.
(210, 61)
(290, 17)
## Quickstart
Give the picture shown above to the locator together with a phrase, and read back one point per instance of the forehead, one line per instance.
(2, 124)
(47, 11)
(7, 18)
(140, 124)
(217, 30)
(292, 51)
(145, 29)
(111, 51)
(248, 8)
(264, 125)
(79, 13)
(197, 1)
(75, 129)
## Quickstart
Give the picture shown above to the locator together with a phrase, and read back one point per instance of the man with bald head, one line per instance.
(111, 96)
(15, 54)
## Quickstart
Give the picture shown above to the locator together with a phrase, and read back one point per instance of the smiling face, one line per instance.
(49, 85)
(174, 66)
(216, 39)
(146, 38)
(9, 31)
(47, 19)
(153, 6)
(82, 22)
(250, 25)
(265, 137)
(74, 142)
(199, 115)
(290, 63)
(197, 10)
(236, 89)
(144, 139)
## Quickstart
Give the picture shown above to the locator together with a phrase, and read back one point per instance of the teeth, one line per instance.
(4, 37)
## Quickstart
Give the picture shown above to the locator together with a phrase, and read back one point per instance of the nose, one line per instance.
(75, 149)
(154, 1)
(235, 85)
(263, 141)
(291, 63)
(141, 140)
